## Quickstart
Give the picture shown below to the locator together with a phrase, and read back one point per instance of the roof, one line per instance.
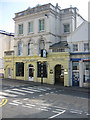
(61, 44)
(6, 33)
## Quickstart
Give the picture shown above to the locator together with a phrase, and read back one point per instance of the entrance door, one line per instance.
(75, 78)
(30, 71)
(9, 73)
(59, 74)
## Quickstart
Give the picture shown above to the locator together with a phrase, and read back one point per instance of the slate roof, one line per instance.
(60, 44)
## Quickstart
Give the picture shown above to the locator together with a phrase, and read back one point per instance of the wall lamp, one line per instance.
(46, 15)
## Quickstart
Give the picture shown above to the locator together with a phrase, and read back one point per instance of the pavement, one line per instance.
(72, 88)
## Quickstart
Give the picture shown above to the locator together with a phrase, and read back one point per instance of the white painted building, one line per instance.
(6, 44)
(79, 44)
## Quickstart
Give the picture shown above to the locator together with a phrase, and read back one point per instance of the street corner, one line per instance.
(3, 102)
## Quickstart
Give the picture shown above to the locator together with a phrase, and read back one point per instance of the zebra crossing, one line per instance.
(22, 91)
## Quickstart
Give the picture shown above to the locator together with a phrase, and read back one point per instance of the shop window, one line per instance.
(20, 29)
(86, 72)
(66, 28)
(75, 65)
(19, 69)
(86, 47)
(42, 68)
(41, 25)
(75, 47)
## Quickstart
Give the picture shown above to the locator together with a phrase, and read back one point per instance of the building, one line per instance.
(6, 44)
(41, 52)
(79, 44)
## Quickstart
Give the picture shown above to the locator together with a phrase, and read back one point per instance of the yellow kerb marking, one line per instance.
(3, 102)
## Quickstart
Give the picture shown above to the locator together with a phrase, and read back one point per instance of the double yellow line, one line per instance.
(3, 102)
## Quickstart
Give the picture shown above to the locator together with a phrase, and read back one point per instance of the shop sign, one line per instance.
(29, 60)
(7, 61)
(58, 59)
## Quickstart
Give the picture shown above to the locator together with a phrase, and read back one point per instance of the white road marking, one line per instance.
(42, 109)
(23, 90)
(13, 104)
(82, 98)
(31, 89)
(57, 114)
(2, 97)
(14, 92)
(26, 106)
(46, 93)
(41, 95)
(30, 105)
(7, 94)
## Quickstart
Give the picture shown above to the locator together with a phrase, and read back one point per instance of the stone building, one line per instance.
(6, 44)
(41, 51)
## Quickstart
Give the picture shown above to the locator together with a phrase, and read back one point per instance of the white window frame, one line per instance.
(20, 49)
(87, 47)
(20, 29)
(30, 27)
(41, 25)
(74, 47)
(64, 28)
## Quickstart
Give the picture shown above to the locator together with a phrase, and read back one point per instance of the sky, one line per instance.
(8, 8)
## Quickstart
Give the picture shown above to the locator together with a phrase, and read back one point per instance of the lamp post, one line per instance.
(41, 72)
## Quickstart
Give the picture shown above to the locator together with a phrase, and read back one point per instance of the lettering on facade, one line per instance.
(58, 59)
(8, 61)
(33, 60)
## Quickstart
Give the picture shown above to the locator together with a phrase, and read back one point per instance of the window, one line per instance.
(41, 25)
(20, 29)
(42, 68)
(66, 28)
(86, 47)
(20, 46)
(28, 48)
(41, 45)
(19, 69)
(75, 65)
(30, 27)
(58, 50)
(75, 47)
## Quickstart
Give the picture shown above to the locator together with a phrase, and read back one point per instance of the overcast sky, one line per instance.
(8, 8)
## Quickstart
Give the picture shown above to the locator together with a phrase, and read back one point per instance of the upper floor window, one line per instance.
(75, 47)
(20, 29)
(20, 48)
(66, 28)
(58, 50)
(41, 25)
(86, 47)
(30, 27)
(28, 48)
(41, 46)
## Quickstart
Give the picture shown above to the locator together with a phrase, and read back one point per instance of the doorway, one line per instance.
(59, 75)
(30, 72)
(9, 73)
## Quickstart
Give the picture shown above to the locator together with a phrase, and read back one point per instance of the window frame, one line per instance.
(41, 25)
(74, 48)
(30, 27)
(20, 49)
(86, 45)
(65, 31)
(29, 51)
(20, 30)
(19, 69)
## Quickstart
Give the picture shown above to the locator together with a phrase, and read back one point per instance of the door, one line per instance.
(75, 78)
(9, 73)
(59, 74)
(31, 72)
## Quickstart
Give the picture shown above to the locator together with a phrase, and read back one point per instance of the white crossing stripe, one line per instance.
(31, 89)
(7, 94)
(14, 92)
(13, 104)
(2, 97)
(22, 90)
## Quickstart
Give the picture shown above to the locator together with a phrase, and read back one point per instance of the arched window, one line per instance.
(41, 45)
(29, 48)
(20, 49)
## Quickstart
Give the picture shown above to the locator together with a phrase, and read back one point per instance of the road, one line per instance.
(21, 100)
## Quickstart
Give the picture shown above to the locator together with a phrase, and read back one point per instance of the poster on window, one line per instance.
(86, 75)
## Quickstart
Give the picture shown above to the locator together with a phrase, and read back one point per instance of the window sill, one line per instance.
(30, 33)
(41, 31)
